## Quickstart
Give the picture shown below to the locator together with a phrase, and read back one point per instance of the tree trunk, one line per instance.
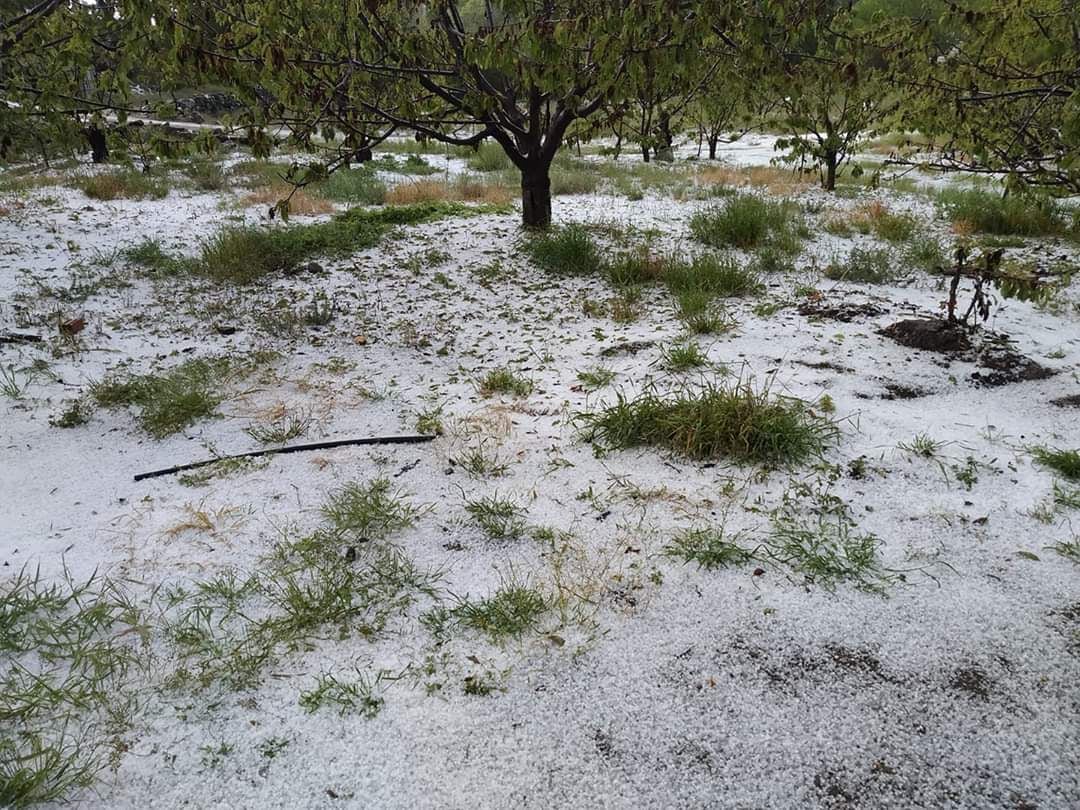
(830, 171)
(536, 196)
(646, 155)
(714, 141)
(99, 146)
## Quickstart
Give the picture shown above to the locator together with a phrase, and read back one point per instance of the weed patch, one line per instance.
(171, 401)
(504, 381)
(826, 546)
(1017, 214)
(1065, 463)
(745, 221)
(499, 518)
(865, 266)
(65, 652)
(714, 422)
(508, 613)
(126, 184)
(246, 254)
(348, 697)
(567, 250)
(363, 513)
(709, 547)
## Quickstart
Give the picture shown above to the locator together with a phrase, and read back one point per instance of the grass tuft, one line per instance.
(735, 422)
(715, 275)
(745, 221)
(359, 186)
(499, 518)
(348, 697)
(567, 250)
(171, 401)
(709, 548)
(1065, 463)
(66, 649)
(125, 184)
(245, 254)
(504, 381)
(1017, 214)
(865, 266)
(508, 613)
(683, 357)
(367, 512)
(489, 157)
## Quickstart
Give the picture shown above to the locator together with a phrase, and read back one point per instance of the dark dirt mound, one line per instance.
(931, 334)
(973, 681)
(998, 362)
(1071, 401)
(1005, 366)
(845, 313)
(825, 365)
(633, 347)
(900, 391)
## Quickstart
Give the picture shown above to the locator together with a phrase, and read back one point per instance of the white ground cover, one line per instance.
(666, 685)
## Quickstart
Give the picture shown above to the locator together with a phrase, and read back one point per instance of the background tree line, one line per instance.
(994, 85)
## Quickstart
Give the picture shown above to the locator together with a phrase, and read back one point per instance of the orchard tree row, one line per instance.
(994, 85)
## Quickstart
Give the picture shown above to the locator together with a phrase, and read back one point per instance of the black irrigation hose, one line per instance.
(296, 448)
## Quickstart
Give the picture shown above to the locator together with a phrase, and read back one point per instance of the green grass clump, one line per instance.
(565, 182)
(171, 401)
(826, 552)
(638, 266)
(149, 255)
(499, 518)
(1017, 214)
(709, 321)
(367, 512)
(718, 276)
(700, 313)
(570, 175)
(683, 357)
(206, 175)
(827, 548)
(66, 651)
(412, 165)
(567, 250)
(358, 185)
(925, 253)
(359, 696)
(123, 184)
(895, 227)
(489, 157)
(864, 265)
(504, 381)
(595, 379)
(1065, 463)
(745, 221)
(709, 548)
(508, 613)
(773, 259)
(245, 254)
(735, 422)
